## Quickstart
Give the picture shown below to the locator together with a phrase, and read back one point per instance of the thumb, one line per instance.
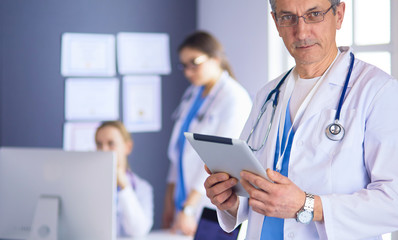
(208, 170)
(276, 176)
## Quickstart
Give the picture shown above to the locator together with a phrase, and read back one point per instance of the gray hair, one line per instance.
(334, 3)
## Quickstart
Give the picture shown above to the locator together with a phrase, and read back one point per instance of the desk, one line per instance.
(160, 235)
(166, 235)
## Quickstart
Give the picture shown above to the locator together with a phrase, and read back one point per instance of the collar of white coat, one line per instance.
(335, 74)
(213, 92)
(340, 68)
(215, 89)
(220, 82)
(192, 91)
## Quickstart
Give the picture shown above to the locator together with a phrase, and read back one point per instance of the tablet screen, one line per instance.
(227, 155)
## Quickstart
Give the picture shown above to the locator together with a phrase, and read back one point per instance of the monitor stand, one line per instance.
(45, 221)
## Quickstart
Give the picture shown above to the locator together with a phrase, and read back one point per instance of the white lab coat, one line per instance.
(223, 113)
(357, 177)
(135, 208)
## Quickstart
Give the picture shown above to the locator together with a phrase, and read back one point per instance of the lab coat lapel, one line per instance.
(179, 116)
(328, 94)
(206, 107)
(271, 142)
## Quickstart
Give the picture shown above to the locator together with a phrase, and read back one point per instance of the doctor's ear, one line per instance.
(275, 21)
(340, 11)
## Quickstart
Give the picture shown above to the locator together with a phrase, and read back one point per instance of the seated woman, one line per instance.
(134, 195)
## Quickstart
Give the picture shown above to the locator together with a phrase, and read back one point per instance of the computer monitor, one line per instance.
(83, 182)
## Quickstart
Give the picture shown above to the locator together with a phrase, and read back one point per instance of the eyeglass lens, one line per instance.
(311, 17)
(193, 64)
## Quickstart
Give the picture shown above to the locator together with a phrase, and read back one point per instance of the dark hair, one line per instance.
(208, 44)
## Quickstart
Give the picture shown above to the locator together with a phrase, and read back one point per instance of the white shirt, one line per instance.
(356, 178)
(223, 113)
(135, 208)
(301, 90)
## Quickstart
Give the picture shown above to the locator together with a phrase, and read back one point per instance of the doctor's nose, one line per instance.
(302, 29)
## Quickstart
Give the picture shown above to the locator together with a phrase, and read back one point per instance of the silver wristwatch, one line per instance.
(306, 214)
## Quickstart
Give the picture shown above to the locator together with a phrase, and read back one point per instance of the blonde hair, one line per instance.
(119, 126)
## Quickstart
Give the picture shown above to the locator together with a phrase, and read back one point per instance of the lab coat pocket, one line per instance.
(348, 121)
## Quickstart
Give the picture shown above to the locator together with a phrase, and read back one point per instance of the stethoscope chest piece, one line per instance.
(335, 131)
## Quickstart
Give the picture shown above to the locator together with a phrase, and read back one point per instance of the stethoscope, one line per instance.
(206, 106)
(334, 131)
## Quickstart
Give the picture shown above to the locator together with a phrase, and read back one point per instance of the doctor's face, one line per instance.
(198, 68)
(309, 43)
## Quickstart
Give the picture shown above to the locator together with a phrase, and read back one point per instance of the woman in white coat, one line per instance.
(214, 104)
(134, 194)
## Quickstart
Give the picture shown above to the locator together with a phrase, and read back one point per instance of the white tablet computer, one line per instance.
(226, 155)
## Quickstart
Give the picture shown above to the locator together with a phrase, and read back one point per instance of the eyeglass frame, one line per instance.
(194, 63)
(305, 16)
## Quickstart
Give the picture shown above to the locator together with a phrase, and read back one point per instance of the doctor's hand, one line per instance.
(281, 199)
(184, 223)
(121, 178)
(219, 190)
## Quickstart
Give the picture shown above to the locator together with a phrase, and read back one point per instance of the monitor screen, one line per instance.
(83, 182)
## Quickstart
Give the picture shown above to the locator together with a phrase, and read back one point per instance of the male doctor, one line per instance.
(332, 149)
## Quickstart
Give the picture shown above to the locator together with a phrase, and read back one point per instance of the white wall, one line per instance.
(241, 26)
(394, 38)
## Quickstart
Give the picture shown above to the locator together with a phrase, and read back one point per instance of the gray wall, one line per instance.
(241, 26)
(32, 89)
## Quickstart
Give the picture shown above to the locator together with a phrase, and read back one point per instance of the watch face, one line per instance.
(305, 217)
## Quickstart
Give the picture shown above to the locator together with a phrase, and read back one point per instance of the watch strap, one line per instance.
(309, 202)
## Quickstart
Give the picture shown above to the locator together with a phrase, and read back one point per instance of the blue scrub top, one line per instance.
(181, 195)
(273, 227)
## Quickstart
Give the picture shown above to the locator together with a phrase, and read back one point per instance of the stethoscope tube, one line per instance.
(262, 111)
(336, 131)
(347, 79)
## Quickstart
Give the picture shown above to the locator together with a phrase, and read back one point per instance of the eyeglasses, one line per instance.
(289, 20)
(194, 63)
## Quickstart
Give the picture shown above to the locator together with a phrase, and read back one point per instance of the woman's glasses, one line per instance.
(193, 64)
